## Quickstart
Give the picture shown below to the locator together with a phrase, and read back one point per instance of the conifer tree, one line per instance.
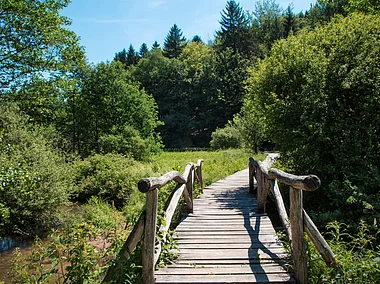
(121, 56)
(132, 56)
(235, 32)
(155, 45)
(197, 38)
(289, 21)
(174, 42)
(143, 50)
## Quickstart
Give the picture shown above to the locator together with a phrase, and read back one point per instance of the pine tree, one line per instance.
(174, 42)
(143, 50)
(132, 56)
(289, 21)
(155, 45)
(197, 38)
(235, 32)
(121, 56)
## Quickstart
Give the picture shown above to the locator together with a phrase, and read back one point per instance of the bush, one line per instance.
(319, 96)
(356, 254)
(111, 177)
(34, 178)
(78, 254)
(224, 138)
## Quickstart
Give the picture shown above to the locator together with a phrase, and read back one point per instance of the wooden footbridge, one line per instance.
(226, 237)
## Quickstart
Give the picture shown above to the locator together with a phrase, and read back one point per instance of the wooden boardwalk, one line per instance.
(225, 241)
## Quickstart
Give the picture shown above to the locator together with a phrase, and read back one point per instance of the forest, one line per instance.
(75, 137)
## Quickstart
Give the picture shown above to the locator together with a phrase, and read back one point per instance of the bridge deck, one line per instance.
(225, 241)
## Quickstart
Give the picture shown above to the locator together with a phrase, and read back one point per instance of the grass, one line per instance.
(74, 252)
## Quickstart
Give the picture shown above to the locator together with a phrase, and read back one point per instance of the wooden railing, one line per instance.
(266, 181)
(145, 228)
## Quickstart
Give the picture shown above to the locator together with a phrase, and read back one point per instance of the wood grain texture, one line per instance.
(225, 240)
(298, 242)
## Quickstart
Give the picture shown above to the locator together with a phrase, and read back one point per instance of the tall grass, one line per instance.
(74, 254)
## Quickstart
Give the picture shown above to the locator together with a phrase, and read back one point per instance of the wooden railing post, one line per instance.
(251, 174)
(149, 237)
(199, 173)
(189, 188)
(298, 243)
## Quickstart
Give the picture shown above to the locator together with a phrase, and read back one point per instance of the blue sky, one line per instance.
(108, 26)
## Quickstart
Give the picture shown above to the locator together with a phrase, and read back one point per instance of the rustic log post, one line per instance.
(188, 175)
(149, 237)
(298, 243)
(251, 174)
(281, 208)
(319, 242)
(189, 188)
(199, 173)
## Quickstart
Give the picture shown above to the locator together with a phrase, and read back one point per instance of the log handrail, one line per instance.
(145, 227)
(299, 221)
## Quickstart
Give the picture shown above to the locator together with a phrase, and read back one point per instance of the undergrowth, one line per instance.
(89, 240)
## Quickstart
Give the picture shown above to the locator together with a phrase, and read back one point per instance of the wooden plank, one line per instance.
(227, 262)
(226, 241)
(242, 269)
(243, 278)
(268, 245)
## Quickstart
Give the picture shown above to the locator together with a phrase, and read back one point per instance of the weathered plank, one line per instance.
(229, 270)
(224, 240)
(211, 278)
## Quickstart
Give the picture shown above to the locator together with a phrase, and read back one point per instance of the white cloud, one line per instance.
(157, 3)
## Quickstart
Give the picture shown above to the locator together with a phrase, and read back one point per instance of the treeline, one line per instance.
(256, 77)
(199, 86)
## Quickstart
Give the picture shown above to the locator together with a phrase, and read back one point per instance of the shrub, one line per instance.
(224, 138)
(127, 142)
(34, 178)
(111, 177)
(77, 254)
(356, 254)
(319, 96)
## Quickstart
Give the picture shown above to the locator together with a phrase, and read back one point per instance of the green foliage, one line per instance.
(224, 138)
(174, 42)
(112, 109)
(110, 177)
(35, 180)
(234, 31)
(250, 126)
(77, 254)
(35, 40)
(365, 6)
(358, 258)
(318, 94)
(268, 25)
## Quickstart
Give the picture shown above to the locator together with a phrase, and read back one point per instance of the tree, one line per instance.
(197, 38)
(111, 108)
(319, 96)
(267, 25)
(132, 56)
(174, 42)
(143, 50)
(121, 56)
(35, 42)
(365, 6)
(234, 32)
(289, 21)
(155, 45)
